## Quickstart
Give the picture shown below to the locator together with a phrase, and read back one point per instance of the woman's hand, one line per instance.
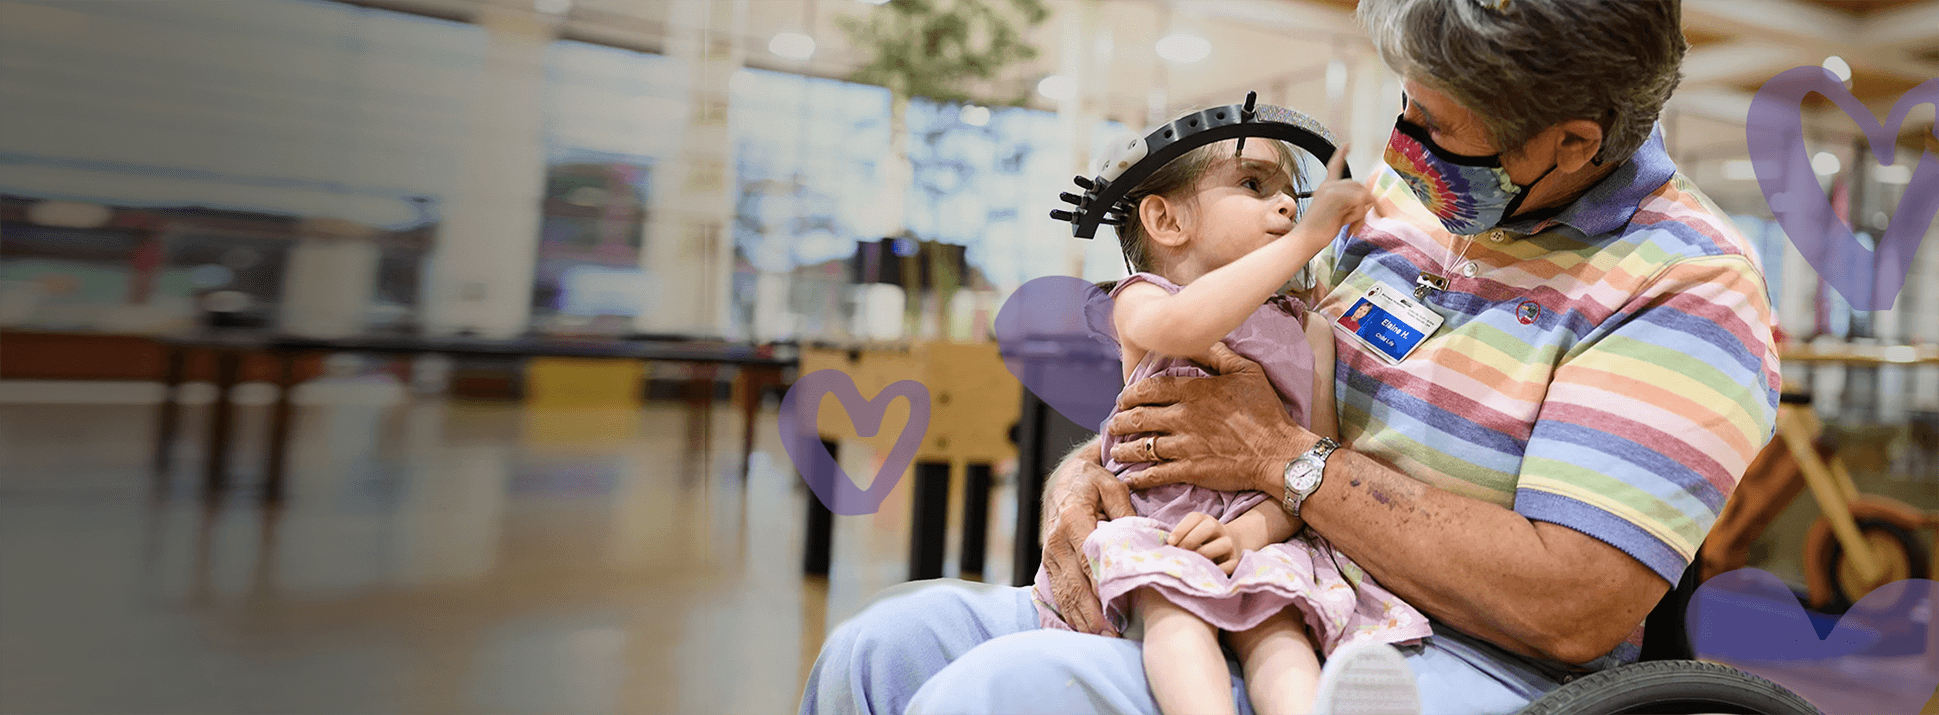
(1205, 534)
(1082, 493)
(1226, 432)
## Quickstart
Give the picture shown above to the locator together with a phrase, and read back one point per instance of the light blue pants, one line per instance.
(947, 646)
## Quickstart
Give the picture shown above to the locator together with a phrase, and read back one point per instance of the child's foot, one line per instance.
(1367, 680)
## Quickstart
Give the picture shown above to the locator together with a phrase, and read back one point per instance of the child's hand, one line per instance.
(1336, 201)
(1203, 533)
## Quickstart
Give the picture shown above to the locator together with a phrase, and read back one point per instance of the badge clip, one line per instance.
(1428, 282)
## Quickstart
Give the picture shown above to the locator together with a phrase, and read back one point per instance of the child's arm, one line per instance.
(1267, 523)
(1324, 416)
(1186, 324)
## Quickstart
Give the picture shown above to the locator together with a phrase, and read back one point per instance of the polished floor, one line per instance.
(434, 557)
(437, 556)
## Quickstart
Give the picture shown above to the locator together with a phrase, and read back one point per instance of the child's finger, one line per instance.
(1336, 167)
(1229, 564)
(1217, 549)
(1184, 527)
(1204, 531)
(1379, 210)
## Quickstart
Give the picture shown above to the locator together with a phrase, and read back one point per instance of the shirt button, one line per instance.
(1470, 269)
(1500, 237)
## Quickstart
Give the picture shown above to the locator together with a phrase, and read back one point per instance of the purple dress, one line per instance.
(1339, 602)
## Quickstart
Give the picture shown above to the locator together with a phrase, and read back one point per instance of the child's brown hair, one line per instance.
(1174, 179)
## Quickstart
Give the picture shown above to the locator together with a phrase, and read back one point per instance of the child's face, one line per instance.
(1241, 204)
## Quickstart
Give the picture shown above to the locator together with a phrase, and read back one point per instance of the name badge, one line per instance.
(1388, 323)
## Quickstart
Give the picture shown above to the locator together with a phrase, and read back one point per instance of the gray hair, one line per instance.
(1523, 66)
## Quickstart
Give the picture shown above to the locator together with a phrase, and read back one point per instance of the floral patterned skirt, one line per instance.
(1339, 602)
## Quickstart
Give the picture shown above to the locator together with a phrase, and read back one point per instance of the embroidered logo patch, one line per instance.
(1527, 312)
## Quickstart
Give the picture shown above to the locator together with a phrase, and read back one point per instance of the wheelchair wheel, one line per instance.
(1670, 687)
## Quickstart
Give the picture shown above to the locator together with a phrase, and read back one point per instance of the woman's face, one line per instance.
(1241, 204)
(1460, 131)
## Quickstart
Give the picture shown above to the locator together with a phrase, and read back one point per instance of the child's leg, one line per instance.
(1281, 670)
(1182, 659)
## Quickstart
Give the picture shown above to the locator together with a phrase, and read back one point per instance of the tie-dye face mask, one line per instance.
(1470, 194)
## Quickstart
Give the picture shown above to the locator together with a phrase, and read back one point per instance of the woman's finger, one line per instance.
(1115, 496)
(1158, 391)
(1143, 420)
(1132, 451)
(1070, 580)
(1158, 475)
(1226, 362)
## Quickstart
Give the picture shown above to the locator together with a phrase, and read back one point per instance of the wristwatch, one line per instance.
(1303, 474)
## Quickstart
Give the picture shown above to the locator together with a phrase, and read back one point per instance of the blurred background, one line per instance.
(424, 355)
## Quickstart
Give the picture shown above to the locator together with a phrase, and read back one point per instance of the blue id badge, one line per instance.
(1388, 323)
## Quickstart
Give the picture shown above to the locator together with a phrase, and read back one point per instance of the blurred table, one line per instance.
(1864, 354)
(761, 366)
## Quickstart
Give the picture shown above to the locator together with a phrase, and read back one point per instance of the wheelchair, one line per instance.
(1668, 680)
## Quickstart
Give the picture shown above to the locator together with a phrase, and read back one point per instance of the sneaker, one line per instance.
(1367, 680)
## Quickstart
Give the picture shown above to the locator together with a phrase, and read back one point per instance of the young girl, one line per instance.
(1214, 237)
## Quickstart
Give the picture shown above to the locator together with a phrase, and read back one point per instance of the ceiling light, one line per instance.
(1739, 170)
(1825, 163)
(1838, 66)
(1895, 174)
(792, 45)
(1057, 87)
(1184, 48)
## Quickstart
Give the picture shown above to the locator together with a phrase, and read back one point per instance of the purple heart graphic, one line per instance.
(1055, 335)
(1774, 132)
(800, 436)
(1870, 660)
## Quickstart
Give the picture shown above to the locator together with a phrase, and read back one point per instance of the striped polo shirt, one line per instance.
(1609, 368)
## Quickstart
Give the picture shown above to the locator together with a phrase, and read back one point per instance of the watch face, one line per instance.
(1305, 474)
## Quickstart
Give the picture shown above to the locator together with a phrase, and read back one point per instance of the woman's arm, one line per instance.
(1473, 565)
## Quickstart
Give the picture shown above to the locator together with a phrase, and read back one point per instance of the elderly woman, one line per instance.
(1534, 475)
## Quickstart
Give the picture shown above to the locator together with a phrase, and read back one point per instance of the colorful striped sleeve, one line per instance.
(1651, 419)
